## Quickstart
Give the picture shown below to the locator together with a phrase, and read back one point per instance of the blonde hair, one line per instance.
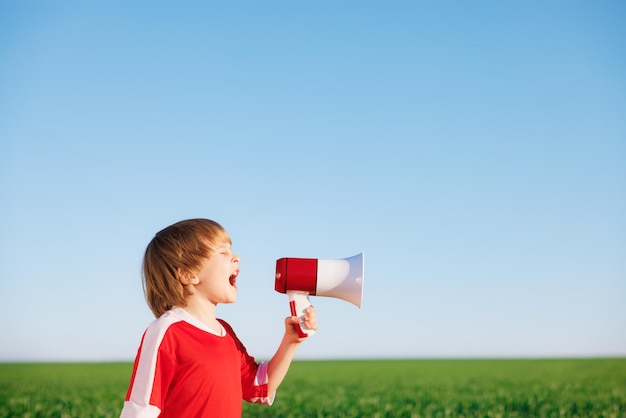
(178, 249)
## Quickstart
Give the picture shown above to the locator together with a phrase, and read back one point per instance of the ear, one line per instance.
(186, 278)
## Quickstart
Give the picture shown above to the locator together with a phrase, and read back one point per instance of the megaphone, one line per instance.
(335, 278)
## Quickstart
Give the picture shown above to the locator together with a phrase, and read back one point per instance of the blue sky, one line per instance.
(475, 152)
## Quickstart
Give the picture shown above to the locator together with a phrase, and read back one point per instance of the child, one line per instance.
(189, 363)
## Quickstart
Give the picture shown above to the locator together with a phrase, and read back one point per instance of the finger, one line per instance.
(310, 321)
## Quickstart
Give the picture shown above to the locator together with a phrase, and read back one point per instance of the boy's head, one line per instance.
(178, 249)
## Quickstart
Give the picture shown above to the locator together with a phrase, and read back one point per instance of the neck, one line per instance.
(204, 311)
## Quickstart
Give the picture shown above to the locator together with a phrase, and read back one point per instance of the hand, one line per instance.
(310, 322)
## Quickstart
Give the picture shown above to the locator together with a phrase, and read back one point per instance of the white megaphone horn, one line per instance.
(335, 278)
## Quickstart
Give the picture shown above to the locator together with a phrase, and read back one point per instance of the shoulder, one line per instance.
(159, 327)
(166, 320)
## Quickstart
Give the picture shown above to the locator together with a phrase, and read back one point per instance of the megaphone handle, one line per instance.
(298, 302)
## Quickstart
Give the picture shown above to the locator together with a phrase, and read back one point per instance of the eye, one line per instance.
(224, 250)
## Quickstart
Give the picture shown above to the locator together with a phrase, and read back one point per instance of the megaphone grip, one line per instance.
(298, 303)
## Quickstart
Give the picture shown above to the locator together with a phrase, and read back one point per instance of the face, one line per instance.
(218, 276)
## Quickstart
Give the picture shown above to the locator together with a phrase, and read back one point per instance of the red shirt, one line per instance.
(184, 369)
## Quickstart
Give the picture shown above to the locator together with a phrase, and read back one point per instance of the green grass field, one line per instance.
(375, 388)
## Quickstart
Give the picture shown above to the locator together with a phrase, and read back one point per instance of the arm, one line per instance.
(152, 372)
(280, 362)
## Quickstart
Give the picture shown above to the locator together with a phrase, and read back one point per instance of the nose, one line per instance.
(235, 258)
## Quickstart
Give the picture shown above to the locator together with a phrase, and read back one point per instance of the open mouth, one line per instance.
(233, 279)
